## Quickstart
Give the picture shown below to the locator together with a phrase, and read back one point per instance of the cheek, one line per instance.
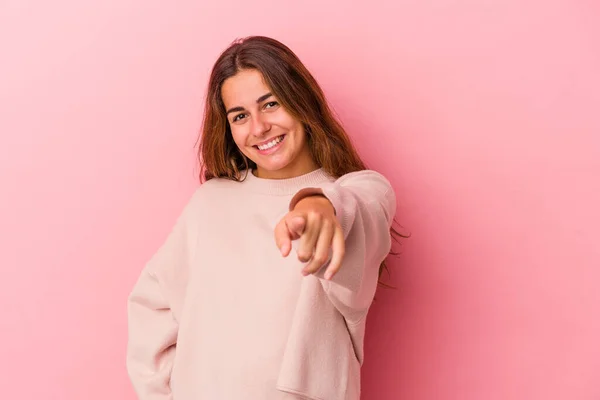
(299, 130)
(283, 119)
(290, 124)
(238, 136)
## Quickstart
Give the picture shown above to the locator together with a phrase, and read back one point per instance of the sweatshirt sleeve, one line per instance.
(152, 310)
(365, 205)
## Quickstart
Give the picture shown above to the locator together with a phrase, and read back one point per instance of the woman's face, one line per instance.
(263, 130)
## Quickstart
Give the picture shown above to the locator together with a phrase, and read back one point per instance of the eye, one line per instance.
(271, 104)
(238, 117)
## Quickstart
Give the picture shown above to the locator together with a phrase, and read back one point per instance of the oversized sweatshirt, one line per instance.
(219, 314)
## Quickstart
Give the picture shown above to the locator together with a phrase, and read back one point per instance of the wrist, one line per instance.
(315, 201)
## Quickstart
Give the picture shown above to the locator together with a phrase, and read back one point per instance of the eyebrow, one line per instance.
(260, 99)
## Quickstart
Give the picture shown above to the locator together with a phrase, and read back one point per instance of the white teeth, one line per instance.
(271, 143)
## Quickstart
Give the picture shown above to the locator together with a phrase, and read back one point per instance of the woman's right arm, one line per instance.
(154, 305)
(152, 339)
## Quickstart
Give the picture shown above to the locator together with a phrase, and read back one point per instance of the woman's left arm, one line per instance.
(345, 232)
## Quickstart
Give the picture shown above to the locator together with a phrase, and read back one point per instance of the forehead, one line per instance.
(243, 88)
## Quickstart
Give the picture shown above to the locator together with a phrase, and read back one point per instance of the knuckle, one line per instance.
(320, 259)
(316, 215)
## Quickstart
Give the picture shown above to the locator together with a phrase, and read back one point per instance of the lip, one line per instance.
(266, 141)
(272, 149)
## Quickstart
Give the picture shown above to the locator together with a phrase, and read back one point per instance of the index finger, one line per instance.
(283, 238)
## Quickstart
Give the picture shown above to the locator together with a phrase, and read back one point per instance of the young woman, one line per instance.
(262, 288)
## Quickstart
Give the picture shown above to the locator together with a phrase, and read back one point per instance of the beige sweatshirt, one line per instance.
(219, 314)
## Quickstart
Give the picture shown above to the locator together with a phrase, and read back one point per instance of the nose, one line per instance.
(259, 125)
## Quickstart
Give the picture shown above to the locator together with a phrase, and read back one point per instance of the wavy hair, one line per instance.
(296, 90)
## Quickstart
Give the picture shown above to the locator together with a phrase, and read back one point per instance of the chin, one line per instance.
(274, 163)
(272, 167)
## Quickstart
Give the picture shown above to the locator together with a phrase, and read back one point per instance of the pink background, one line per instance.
(484, 114)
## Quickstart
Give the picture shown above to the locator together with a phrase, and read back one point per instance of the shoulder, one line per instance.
(219, 183)
(214, 189)
(366, 176)
(205, 198)
(216, 184)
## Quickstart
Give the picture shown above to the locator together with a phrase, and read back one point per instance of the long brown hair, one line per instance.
(296, 90)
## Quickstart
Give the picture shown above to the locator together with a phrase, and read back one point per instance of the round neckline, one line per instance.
(284, 186)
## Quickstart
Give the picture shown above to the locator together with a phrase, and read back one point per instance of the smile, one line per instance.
(271, 145)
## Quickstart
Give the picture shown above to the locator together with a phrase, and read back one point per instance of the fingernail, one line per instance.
(328, 275)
